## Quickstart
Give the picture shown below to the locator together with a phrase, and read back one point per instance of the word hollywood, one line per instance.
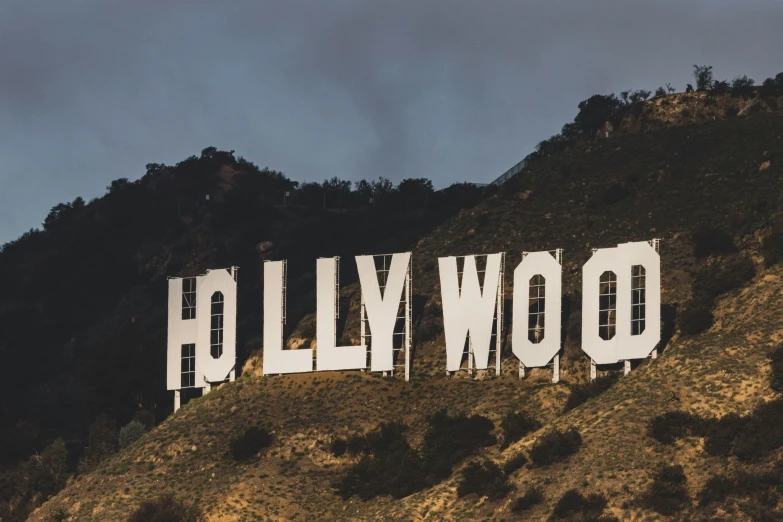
(621, 295)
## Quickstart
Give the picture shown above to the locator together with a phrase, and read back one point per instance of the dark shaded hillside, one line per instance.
(82, 309)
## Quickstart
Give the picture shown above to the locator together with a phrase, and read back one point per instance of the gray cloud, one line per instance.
(456, 90)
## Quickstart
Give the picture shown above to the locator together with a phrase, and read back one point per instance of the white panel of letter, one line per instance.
(469, 308)
(536, 328)
(277, 360)
(328, 355)
(621, 303)
(382, 310)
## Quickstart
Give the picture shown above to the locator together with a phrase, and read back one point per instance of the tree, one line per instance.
(669, 87)
(363, 191)
(742, 85)
(118, 185)
(624, 96)
(102, 442)
(56, 214)
(660, 91)
(769, 88)
(593, 113)
(720, 87)
(415, 192)
(640, 95)
(337, 191)
(703, 76)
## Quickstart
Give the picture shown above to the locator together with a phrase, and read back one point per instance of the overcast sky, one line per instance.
(451, 90)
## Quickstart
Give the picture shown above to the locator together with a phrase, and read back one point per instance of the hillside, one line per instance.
(720, 178)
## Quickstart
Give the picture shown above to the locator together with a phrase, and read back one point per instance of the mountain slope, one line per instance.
(669, 184)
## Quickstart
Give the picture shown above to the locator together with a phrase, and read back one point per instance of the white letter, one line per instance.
(382, 310)
(328, 356)
(201, 329)
(621, 303)
(469, 309)
(537, 343)
(277, 360)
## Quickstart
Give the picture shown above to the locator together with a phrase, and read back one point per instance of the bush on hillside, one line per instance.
(673, 425)
(668, 494)
(252, 441)
(772, 247)
(450, 440)
(338, 447)
(483, 479)
(555, 446)
(712, 241)
(130, 433)
(718, 278)
(532, 497)
(581, 393)
(574, 506)
(514, 463)
(516, 425)
(390, 466)
(166, 508)
(695, 317)
(716, 489)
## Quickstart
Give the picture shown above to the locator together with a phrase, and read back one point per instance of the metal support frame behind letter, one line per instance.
(406, 302)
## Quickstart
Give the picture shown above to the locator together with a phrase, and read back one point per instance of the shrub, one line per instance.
(248, 444)
(720, 434)
(514, 463)
(130, 433)
(716, 489)
(338, 447)
(166, 509)
(355, 444)
(575, 506)
(389, 467)
(450, 440)
(667, 495)
(555, 446)
(772, 248)
(695, 317)
(719, 278)
(673, 425)
(761, 433)
(712, 241)
(581, 393)
(517, 425)
(485, 480)
(531, 497)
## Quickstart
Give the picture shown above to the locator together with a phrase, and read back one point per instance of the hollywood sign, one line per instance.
(621, 297)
